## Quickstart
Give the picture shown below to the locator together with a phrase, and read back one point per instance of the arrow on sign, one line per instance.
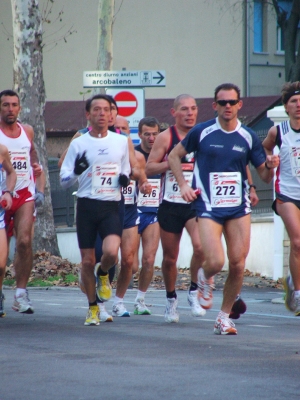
(160, 77)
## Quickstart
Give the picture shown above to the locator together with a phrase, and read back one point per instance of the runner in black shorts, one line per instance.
(174, 213)
(99, 160)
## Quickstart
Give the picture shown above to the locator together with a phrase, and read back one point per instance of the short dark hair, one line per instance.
(88, 103)
(8, 92)
(289, 89)
(228, 86)
(148, 121)
(113, 101)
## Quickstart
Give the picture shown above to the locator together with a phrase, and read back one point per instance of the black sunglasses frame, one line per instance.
(223, 103)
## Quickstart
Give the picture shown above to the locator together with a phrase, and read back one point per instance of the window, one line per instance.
(260, 26)
(287, 6)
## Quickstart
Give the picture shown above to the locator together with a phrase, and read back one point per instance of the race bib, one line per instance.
(129, 193)
(295, 160)
(152, 199)
(21, 162)
(225, 189)
(172, 190)
(105, 179)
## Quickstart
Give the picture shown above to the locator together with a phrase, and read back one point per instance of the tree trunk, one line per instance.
(29, 84)
(105, 37)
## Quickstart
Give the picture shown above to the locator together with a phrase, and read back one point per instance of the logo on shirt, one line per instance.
(239, 148)
(217, 145)
(101, 152)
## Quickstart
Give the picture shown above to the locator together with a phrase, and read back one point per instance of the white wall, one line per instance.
(260, 258)
(199, 43)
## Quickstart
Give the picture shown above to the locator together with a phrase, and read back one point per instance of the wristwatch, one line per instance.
(8, 191)
(250, 186)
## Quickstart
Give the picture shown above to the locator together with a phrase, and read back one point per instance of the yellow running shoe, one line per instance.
(93, 316)
(104, 290)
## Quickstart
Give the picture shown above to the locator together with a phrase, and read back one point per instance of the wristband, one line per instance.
(267, 166)
(250, 186)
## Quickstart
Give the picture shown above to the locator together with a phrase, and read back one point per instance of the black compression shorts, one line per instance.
(173, 217)
(96, 216)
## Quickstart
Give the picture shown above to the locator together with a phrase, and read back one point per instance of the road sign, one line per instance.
(131, 104)
(127, 103)
(145, 78)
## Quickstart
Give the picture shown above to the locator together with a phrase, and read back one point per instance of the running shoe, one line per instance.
(140, 307)
(224, 326)
(196, 309)
(23, 304)
(92, 316)
(239, 307)
(289, 293)
(119, 310)
(104, 315)
(171, 313)
(297, 306)
(206, 287)
(104, 290)
(2, 312)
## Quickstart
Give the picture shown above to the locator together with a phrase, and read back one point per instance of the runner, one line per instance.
(99, 160)
(148, 228)
(18, 138)
(287, 185)
(223, 149)
(174, 213)
(5, 204)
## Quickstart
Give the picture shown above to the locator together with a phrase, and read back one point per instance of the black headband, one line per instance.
(288, 95)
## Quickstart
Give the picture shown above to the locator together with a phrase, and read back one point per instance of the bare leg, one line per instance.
(170, 244)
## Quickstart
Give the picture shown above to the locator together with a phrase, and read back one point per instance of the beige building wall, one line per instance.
(199, 43)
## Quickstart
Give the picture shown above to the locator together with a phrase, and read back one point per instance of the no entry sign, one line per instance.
(131, 104)
(127, 103)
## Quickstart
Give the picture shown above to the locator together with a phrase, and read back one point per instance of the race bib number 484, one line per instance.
(21, 164)
(225, 189)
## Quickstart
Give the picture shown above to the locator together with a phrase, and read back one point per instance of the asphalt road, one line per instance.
(52, 355)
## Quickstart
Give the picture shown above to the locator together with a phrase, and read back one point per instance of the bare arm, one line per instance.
(155, 164)
(144, 185)
(254, 199)
(11, 177)
(187, 193)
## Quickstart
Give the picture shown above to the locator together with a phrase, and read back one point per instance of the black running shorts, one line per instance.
(173, 217)
(96, 216)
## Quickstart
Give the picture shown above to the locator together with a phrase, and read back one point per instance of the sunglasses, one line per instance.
(224, 102)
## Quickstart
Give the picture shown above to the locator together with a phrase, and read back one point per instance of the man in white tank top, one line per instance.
(5, 204)
(18, 139)
(287, 185)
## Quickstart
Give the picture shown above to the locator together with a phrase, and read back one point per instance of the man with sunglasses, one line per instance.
(223, 149)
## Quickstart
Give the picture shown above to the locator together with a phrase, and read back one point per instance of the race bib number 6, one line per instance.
(225, 189)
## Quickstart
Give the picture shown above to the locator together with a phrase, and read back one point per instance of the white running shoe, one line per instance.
(23, 304)
(140, 307)
(104, 315)
(289, 293)
(224, 326)
(196, 309)
(119, 310)
(206, 287)
(171, 313)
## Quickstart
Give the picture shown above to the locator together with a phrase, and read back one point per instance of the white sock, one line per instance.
(118, 300)
(297, 293)
(20, 292)
(140, 295)
(222, 314)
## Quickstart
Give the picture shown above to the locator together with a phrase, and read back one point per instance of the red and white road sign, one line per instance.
(127, 103)
(131, 104)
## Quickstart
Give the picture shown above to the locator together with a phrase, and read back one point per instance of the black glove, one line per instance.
(81, 164)
(39, 199)
(124, 180)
